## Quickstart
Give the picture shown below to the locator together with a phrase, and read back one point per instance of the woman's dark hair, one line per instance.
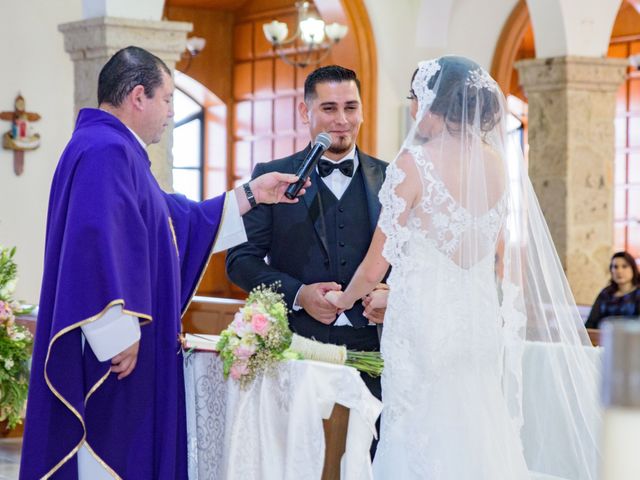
(128, 68)
(628, 258)
(456, 102)
(330, 73)
(412, 92)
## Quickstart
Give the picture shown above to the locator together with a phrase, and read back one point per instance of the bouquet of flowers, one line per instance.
(15, 345)
(259, 337)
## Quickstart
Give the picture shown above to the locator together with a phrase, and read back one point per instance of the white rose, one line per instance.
(8, 364)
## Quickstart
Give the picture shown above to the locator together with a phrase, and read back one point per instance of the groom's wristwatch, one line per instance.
(249, 194)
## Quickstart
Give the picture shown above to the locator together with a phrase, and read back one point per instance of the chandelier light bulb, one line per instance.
(275, 31)
(195, 45)
(336, 31)
(312, 41)
(312, 31)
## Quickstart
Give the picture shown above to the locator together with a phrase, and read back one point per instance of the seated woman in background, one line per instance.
(622, 296)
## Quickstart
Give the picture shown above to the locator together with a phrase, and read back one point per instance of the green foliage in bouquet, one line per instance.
(15, 345)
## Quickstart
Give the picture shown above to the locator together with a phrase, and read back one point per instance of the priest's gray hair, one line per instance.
(128, 68)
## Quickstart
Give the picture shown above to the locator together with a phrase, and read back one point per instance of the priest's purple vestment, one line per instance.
(113, 237)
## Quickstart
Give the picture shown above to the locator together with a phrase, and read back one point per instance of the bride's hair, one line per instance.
(457, 100)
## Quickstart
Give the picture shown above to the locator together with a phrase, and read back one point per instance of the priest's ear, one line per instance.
(138, 97)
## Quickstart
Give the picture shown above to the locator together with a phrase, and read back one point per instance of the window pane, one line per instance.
(620, 169)
(633, 212)
(216, 183)
(183, 106)
(620, 203)
(634, 167)
(619, 236)
(187, 145)
(188, 183)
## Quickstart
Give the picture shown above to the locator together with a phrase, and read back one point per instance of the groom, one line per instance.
(316, 245)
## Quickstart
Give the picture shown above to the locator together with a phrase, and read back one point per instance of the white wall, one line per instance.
(473, 30)
(572, 27)
(34, 63)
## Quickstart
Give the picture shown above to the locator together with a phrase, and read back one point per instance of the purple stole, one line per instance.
(113, 236)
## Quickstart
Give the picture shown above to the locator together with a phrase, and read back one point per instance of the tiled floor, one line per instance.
(10, 458)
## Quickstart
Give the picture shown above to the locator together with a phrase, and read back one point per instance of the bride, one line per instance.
(476, 286)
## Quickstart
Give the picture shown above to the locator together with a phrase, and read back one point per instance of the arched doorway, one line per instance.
(516, 43)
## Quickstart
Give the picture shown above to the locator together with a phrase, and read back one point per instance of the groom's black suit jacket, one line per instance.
(297, 241)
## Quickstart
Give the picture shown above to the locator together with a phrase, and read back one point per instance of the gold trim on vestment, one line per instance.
(204, 269)
(95, 387)
(175, 239)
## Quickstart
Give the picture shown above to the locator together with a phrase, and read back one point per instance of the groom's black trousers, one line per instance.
(363, 339)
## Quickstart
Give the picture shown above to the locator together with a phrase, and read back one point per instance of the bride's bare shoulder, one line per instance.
(494, 166)
(406, 158)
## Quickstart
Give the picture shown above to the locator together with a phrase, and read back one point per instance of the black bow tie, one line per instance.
(325, 167)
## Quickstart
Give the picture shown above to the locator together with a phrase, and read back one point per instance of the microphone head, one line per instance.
(323, 139)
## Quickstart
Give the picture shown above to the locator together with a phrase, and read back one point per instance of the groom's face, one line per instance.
(337, 110)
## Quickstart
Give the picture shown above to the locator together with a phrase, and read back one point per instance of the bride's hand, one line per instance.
(336, 298)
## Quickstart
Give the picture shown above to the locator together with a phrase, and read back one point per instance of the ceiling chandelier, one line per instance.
(310, 33)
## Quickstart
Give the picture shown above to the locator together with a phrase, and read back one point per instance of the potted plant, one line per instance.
(15, 346)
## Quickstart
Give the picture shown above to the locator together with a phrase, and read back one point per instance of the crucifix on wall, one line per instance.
(21, 137)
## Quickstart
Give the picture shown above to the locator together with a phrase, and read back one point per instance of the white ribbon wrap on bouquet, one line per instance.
(322, 352)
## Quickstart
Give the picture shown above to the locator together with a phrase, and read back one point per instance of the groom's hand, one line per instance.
(311, 298)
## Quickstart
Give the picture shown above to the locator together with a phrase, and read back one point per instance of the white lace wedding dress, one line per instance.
(474, 277)
(445, 415)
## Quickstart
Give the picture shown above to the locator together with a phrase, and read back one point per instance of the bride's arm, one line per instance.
(374, 266)
(370, 272)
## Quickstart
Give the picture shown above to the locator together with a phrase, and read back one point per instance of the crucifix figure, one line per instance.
(21, 136)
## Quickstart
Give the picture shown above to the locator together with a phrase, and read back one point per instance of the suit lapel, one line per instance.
(373, 178)
(313, 203)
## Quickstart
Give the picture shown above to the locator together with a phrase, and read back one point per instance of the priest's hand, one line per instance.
(267, 188)
(270, 187)
(125, 361)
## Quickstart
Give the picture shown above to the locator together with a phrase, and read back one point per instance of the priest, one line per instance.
(122, 262)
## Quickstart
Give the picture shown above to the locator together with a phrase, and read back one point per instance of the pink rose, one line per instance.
(243, 352)
(238, 369)
(260, 324)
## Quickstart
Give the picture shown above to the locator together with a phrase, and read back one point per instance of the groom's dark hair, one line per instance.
(330, 73)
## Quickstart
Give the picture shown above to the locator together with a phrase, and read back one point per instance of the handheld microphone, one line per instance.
(321, 143)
